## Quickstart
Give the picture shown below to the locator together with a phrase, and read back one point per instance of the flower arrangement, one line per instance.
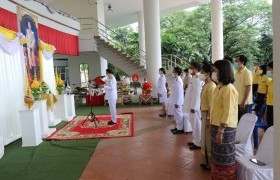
(36, 90)
(44, 87)
(59, 84)
(28, 99)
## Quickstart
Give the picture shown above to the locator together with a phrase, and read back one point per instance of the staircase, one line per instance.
(118, 58)
(114, 52)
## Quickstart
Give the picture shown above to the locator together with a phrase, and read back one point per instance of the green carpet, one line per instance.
(50, 160)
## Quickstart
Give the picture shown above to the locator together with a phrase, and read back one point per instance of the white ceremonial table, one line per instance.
(61, 110)
(30, 127)
(45, 130)
(71, 106)
(1, 146)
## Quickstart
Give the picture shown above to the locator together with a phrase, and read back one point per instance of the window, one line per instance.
(84, 74)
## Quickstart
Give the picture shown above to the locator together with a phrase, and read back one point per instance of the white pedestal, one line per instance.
(45, 130)
(61, 110)
(30, 127)
(52, 119)
(71, 106)
(1, 146)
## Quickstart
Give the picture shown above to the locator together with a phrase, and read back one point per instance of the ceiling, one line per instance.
(124, 11)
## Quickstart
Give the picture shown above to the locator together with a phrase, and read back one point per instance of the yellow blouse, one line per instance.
(224, 106)
(206, 95)
(263, 84)
(269, 100)
(256, 76)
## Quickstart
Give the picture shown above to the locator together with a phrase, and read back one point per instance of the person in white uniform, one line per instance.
(192, 105)
(162, 91)
(176, 99)
(111, 92)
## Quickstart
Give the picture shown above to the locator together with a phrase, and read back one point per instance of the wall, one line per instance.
(92, 58)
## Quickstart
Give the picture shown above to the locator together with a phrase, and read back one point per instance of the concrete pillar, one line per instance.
(101, 29)
(276, 76)
(217, 30)
(141, 30)
(152, 40)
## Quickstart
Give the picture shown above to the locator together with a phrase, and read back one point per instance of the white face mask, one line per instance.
(214, 77)
(269, 74)
(159, 73)
(190, 71)
(201, 77)
(173, 75)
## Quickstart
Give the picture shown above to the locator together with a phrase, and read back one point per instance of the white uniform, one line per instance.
(111, 93)
(177, 97)
(192, 101)
(161, 89)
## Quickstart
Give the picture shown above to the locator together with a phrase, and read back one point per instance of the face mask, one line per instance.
(269, 74)
(201, 77)
(190, 71)
(173, 75)
(254, 68)
(260, 71)
(214, 77)
(235, 65)
(159, 73)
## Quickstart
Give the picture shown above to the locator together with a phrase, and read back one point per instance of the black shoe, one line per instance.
(190, 143)
(162, 115)
(111, 123)
(178, 132)
(205, 167)
(194, 147)
(172, 130)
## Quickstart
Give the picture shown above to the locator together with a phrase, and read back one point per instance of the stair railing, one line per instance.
(169, 61)
(106, 33)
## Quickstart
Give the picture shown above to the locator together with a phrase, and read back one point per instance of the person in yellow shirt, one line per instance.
(243, 85)
(262, 88)
(269, 99)
(223, 120)
(256, 72)
(206, 94)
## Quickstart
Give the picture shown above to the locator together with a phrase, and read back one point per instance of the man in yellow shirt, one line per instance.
(243, 84)
(269, 100)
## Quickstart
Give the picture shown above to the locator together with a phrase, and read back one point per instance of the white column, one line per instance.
(101, 26)
(217, 30)
(152, 40)
(141, 30)
(276, 76)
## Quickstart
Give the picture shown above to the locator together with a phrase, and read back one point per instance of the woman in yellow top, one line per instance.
(223, 120)
(269, 99)
(262, 88)
(206, 94)
(256, 75)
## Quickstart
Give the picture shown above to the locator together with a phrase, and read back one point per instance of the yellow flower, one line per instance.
(35, 84)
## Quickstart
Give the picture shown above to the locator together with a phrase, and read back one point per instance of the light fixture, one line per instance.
(109, 10)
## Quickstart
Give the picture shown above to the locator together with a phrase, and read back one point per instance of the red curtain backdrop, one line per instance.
(8, 20)
(64, 43)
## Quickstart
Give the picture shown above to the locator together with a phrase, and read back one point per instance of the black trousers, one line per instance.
(260, 102)
(269, 115)
(255, 88)
(241, 113)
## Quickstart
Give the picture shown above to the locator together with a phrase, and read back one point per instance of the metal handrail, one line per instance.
(120, 45)
(171, 60)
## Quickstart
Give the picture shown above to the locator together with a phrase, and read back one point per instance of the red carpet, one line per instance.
(80, 129)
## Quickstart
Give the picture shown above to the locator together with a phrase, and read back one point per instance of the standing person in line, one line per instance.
(111, 92)
(263, 83)
(162, 92)
(256, 72)
(192, 105)
(223, 120)
(176, 99)
(269, 99)
(206, 94)
(243, 85)
(186, 80)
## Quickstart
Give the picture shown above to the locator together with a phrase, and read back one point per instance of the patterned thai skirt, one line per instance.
(223, 156)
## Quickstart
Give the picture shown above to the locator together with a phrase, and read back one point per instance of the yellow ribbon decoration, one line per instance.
(9, 34)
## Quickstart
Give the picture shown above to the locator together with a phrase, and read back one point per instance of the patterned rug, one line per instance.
(79, 128)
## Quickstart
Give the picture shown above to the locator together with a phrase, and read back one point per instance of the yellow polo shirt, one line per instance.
(263, 84)
(224, 106)
(243, 78)
(256, 76)
(269, 100)
(206, 95)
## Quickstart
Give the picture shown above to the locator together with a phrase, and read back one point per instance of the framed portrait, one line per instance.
(28, 24)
